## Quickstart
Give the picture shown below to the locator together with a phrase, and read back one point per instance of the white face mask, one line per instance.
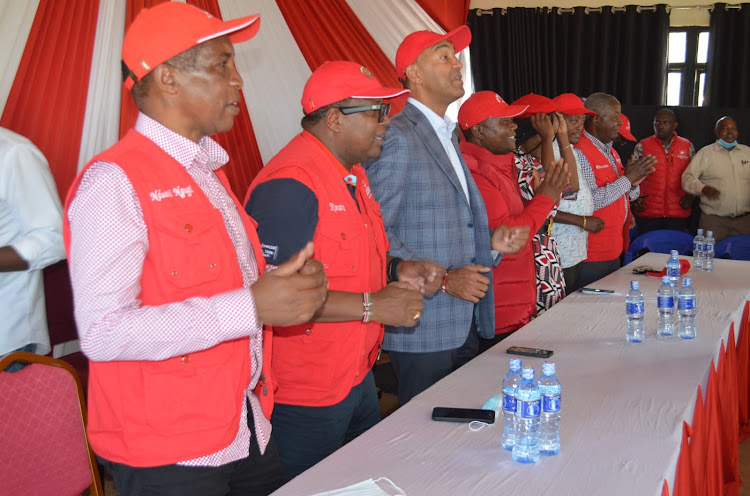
(367, 488)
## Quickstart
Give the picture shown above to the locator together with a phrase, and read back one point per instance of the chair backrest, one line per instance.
(737, 247)
(43, 445)
(660, 241)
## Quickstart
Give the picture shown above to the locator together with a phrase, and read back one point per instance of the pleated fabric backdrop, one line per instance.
(60, 78)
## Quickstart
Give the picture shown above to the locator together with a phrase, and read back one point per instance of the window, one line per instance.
(687, 57)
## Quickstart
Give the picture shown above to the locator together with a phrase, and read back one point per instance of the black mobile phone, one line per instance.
(452, 414)
(532, 352)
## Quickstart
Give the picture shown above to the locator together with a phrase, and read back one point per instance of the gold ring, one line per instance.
(417, 315)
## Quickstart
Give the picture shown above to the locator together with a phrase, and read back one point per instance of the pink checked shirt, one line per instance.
(109, 242)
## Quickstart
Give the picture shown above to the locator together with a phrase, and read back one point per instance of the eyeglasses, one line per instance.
(383, 109)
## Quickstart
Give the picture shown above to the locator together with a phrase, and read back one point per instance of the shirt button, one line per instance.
(473, 260)
(189, 227)
(185, 359)
(308, 331)
(343, 235)
(174, 272)
(469, 225)
(213, 265)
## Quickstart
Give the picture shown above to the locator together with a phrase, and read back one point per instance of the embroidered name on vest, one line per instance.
(177, 191)
(337, 208)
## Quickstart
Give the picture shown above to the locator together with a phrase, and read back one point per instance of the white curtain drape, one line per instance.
(275, 73)
(101, 123)
(16, 19)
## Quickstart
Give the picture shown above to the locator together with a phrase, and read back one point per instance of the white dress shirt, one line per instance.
(444, 127)
(31, 223)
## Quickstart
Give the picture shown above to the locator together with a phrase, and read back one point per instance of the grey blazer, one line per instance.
(427, 217)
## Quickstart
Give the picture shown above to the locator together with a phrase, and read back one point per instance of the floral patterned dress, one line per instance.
(550, 281)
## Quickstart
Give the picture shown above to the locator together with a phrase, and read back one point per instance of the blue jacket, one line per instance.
(427, 217)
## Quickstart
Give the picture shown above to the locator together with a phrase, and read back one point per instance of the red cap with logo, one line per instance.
(625, 129)
(485, 104)
(416, 43)
(570, 104)
(336, 81)
(159, 33)
(538, 104)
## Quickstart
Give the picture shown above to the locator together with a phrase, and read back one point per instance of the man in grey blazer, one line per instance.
(432, 210)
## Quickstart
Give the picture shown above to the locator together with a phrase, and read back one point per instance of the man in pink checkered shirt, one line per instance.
(167, 273)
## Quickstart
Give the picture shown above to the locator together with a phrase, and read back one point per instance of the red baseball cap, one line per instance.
(159, 33)
(336, 81)
(570, 104)
(417, 42)
(483, 105)
(537, 104)
(625, 129)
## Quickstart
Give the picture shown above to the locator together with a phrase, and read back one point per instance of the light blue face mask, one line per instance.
(727, 145)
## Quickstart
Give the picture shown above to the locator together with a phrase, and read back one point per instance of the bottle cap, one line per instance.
(527, 373)
(711, 234)
(548, 368)
(700, 231)
(634, 284)
(687, 281)
(515, 364)
(665, 279)
(674, 252)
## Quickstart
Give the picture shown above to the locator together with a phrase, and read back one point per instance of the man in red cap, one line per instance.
(668, 206)
(433, 210)
(487, 124)
(168, 278)
(574, 220)
(315, 189)
(612, 186)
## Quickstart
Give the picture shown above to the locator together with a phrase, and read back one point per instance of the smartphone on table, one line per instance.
(532, 352)
(453, 414)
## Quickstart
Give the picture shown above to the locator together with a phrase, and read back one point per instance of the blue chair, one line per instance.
(660, 241)
(734, 247)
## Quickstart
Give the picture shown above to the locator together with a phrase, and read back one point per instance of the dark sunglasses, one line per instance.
(382, 108)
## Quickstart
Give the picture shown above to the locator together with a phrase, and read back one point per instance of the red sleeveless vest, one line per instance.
(317, 364)
(664, 185)
(145, 413)
(612, 241)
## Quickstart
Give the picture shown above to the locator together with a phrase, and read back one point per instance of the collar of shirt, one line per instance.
(442, 125)
(603, 147)
(348, 176)
(207, 153)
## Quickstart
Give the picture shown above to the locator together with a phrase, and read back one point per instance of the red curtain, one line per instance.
(450, 14)
(47, 101)
(244, 157)
(329, 30)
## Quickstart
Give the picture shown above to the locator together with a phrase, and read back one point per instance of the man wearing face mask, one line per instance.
(720, 175)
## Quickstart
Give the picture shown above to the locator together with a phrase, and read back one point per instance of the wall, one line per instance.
(684, 12)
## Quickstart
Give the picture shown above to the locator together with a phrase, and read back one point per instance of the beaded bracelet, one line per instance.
(367, 305)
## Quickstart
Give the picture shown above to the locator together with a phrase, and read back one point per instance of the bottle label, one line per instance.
(509, 403)
(528, 408)
(673, 272)
(666, 301)
(634, 308)
(550, 403)
(686, 304)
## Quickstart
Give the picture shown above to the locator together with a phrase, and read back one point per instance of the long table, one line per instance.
(622, 403)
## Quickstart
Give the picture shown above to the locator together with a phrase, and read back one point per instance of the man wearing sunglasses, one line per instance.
(315, 189)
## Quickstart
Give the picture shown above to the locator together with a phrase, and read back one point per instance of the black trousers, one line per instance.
(418, 371)
(254, 475)
(646, 224)
(589, 272)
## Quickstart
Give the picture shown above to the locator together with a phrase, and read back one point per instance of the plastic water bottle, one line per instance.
(634, 310)
(698, 241)
(550, 389)
(686, 308)
(510, 383)
(665, 298)
(528, 409)
(708, 252)
(673, 270)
